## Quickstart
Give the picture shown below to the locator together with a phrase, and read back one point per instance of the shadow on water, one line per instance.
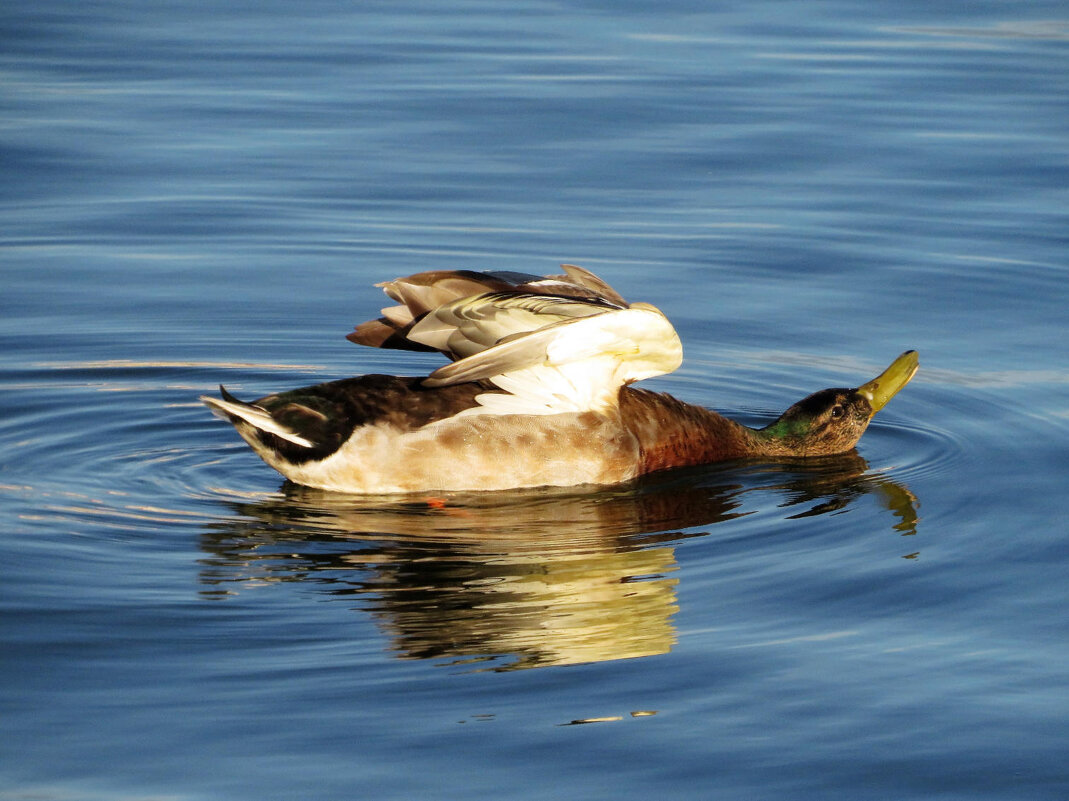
(505, 581)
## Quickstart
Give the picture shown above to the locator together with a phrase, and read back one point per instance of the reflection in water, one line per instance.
(522, 579)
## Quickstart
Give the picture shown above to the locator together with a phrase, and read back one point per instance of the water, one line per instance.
(198, 193)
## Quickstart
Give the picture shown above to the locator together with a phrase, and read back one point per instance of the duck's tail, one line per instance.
(230, 408)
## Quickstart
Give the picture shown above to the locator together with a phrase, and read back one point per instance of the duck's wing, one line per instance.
(557, 343)
(417, 295)
(550, 354)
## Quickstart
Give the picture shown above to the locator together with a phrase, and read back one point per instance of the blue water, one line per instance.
(198, 193)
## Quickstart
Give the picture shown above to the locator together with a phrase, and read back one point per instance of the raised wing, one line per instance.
(554, 344)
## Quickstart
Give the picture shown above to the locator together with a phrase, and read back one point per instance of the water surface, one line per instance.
(200, 194)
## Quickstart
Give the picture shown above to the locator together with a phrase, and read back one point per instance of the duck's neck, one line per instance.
(672, 433)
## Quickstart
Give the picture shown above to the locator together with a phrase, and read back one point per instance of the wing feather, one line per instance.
(421, 293)
(471, 325)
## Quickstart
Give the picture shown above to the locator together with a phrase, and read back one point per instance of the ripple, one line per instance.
(911, 449)
(120, 446)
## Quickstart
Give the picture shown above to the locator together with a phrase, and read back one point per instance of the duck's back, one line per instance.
(326, 415)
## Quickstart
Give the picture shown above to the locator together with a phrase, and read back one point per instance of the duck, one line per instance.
(538, 391)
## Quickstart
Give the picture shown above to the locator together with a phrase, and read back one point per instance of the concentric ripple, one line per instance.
(118, 445)
(128, 445)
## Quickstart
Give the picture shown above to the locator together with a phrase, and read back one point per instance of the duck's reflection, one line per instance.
(525, 579)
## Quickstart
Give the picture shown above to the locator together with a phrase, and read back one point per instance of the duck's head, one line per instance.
(832, 421)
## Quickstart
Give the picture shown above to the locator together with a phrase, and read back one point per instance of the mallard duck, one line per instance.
(537, 392)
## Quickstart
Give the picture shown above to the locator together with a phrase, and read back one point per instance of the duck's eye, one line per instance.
(837, 412)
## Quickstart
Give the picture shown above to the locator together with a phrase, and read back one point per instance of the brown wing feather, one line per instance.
(423, 292)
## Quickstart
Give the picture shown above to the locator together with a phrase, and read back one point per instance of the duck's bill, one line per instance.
(887, 384)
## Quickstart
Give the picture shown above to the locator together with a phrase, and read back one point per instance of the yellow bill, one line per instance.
(887, 384)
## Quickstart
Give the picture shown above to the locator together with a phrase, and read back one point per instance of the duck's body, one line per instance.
(380, 433)
(538, 394)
